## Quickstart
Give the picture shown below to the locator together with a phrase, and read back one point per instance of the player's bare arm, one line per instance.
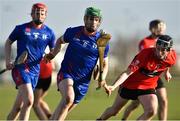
(120, 79)
(102, 83)
(96, 72)
(56, 49)
(9, 63)
(104, 72)
(167, 75)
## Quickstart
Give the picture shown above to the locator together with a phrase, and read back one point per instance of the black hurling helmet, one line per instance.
(164, 41)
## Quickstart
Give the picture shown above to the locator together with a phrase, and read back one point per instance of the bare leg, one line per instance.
(72, 107)
(37, 104)
(45, 106)
(67, 91)
(46, 109)
(150, 104)
(114, 109)
(13, 115)
(55, 113)
(163, 103)
(27, 95)
(69, 110)
(131, 107)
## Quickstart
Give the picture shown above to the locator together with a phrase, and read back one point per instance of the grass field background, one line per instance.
(92, 105)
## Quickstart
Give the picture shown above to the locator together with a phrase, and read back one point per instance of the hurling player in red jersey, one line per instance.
(40, 106)
(157, 27)
(139, 81)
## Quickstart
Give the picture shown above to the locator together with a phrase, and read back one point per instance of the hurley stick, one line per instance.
(21, 59)
(101, 43)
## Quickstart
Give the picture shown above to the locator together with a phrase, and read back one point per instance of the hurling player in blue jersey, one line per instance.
(32, 37)
(79, 61)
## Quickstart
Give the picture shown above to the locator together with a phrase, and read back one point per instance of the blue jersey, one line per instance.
(34, 41)
(81, 55)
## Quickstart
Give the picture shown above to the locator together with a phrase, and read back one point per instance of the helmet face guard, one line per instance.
(164, 42)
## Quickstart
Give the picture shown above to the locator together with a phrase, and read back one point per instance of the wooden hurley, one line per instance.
(101, 43)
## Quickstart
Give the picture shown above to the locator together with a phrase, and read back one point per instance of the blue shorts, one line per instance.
(80, 89)
(21, 76)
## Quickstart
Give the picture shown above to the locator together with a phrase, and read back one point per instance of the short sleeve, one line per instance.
(52, 40)
(171, 59)
(14, 34)
(141, 45)
(68, 35)
(138, 61)
(106, 50)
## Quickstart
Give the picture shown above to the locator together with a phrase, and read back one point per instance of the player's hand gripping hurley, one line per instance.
(21, 59)
(101, 43)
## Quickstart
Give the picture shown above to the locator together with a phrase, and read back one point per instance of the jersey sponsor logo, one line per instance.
(28, 33)
(27, 29)
(151, 66)
(44, 36)
(85, 43)
(35, 34)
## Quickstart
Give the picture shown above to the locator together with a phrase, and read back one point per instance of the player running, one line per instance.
(139, 81)
(157, 27)
(32, 37)
(79, 61)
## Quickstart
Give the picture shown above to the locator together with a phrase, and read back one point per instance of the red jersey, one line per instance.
(147, 42)
(45, 69)
(147, 69)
